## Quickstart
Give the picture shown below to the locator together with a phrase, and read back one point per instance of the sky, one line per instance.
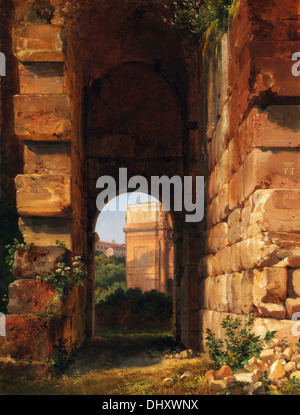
(111, 221)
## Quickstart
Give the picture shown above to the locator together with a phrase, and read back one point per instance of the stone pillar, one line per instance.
(43, 124)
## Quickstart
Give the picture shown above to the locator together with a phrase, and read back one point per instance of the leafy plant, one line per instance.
(12, 248)
(240, 345)
(64, 278)
(206, 19)
(61, 244)
(60, 356)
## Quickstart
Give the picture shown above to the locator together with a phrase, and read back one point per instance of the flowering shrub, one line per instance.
(63, 278)
(205, 18)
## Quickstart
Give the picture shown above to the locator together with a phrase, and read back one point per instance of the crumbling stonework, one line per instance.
(103, 86)
(251, 241)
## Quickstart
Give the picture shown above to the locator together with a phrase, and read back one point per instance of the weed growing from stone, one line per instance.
(206, 19)
(240, 345)
(13, 248)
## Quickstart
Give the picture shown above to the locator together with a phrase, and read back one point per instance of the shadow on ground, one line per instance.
(122, 350)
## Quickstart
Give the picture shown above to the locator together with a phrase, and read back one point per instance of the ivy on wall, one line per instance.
(206, 20)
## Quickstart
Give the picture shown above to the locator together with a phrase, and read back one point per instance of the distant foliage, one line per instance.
(148, 305)
(240, 345)
(110, 276)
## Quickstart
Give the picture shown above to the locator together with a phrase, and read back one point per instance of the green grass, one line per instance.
(117, 362)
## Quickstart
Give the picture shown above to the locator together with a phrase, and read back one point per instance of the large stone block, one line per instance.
(247, 284)
(235, 189)
(265, 250)
(283, 328)
(39, 43)
(46, 231)
(269, 291)
(28, 336)
(292, 307)
(235, 151)
(43, 195)
(293, 286)
(33, 261)
(221, 173)
(273, 73)
(275, 210)
(234, 225)
(276, 126)
(220, 302)
(217, 237)
(278, 169)
(42, 78)
(223, 202)
(42, 117)
(47, 158)
(38, 297)
(234, 293)
(272, 310)
(270, 285)
(31, 296)
(235, 257)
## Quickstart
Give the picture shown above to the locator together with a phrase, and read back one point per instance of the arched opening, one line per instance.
(134, 266)
(145, 137)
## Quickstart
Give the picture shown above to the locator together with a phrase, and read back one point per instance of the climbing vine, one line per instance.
(207, 20)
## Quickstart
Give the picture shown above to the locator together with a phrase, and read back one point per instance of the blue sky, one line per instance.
(111, 221)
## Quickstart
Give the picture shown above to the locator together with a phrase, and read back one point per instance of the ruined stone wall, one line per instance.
(234, 119)
(252, 239)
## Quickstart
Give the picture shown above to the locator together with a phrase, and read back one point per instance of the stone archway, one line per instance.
(78, 119)
(125, 130)
(239, 116)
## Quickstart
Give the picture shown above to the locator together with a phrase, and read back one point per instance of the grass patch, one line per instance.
(119, 362)
(108, 382)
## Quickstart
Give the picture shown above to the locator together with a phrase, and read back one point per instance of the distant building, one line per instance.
(110, 248)
(150, 249)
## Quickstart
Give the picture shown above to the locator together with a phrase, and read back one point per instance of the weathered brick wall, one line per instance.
(252, 239)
